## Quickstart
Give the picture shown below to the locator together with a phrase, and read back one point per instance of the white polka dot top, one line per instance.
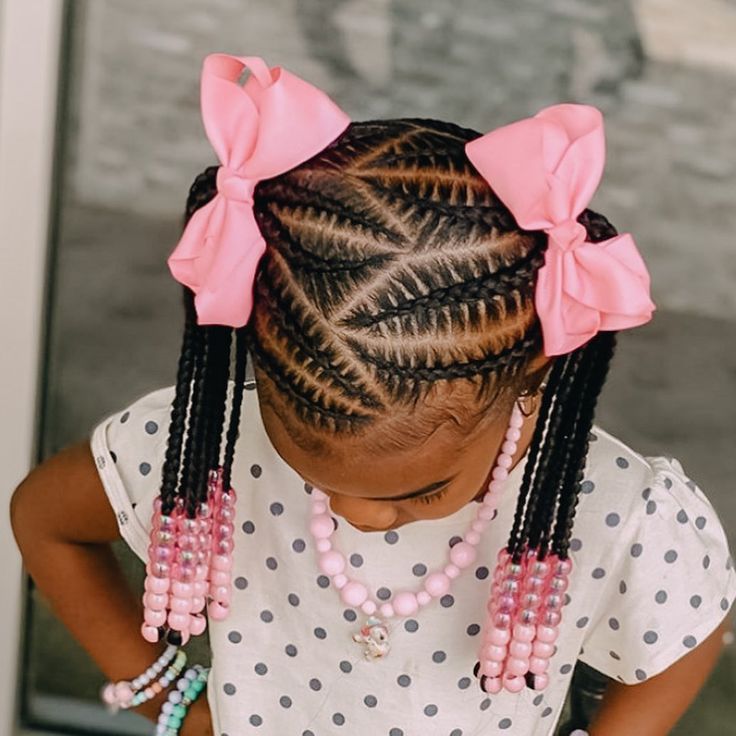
(652, 578)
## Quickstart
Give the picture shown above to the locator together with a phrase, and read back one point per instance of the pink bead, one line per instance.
(332, 562)
(492, 685)
(472, 537)
(154, 618)
(222, 562)
(517, 666)
(501, 637)
(513, 434)
(551, 618)
(197, 624)
(485, 512)
(178, 621)
(528, 616)
(387, 610)
(155, 601)
(405, 603)
(559, 585)
(513, 683)
(354, 593)
(157, 585)
(502, 556)
(182, 590)
(502, 620)
(547, 634)
(340, 580)
(321, 526)
(437, 584)
(463, 554)
(452, 570)
(319, 508)
(324, 545)
(491, 668)
(219, 577)
(504, 460)
(553, 602)
(541, 682)
(220, 593)
(479, 525)
(538, 665)
(369, 607)
(319, 495)
(523, 632)
(181, 605)
(108, 694)
(423, 597)
(494, 652)
(500, 473)
(122, 692)
(496, 486)
(509, 447)
(563, 567)
(516, 421)
(530, 600)
(542, 649)
(149, 633)
(217, 611)
(520, 649)
(198, 602)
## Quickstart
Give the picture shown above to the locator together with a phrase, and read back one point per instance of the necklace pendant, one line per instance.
(374, 636)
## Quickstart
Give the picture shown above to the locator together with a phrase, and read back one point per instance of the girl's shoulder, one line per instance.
(656, 570)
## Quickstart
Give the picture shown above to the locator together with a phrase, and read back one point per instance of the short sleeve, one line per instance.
(673, 582)
(129, 448)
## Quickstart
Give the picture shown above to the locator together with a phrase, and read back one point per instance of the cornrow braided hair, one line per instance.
(393, 274)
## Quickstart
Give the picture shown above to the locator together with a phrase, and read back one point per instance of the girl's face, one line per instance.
(433, 480)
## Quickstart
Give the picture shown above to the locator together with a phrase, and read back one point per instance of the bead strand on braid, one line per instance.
(224, 498)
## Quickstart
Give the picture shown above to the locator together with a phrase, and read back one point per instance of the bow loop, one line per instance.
(270, 124)
(545, 169)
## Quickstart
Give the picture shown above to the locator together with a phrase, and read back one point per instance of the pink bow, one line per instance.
(263, 128)
(545, 169)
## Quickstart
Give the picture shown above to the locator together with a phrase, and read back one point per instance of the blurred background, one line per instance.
(123, 100)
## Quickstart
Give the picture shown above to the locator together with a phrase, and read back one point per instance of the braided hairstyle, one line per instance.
(393, 279)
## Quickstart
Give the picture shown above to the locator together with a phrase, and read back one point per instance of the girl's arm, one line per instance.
(654, 707)
(63, 524)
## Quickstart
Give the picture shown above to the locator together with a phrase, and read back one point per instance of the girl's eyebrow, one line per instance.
(419, 492)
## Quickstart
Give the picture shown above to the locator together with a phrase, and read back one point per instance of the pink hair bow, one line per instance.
(260, 129)
(545, 169)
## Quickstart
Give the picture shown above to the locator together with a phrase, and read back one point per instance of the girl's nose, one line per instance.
(378, 515)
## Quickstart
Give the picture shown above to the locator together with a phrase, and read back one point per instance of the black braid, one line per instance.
(606, 345)
(172, 462)
(561, 429)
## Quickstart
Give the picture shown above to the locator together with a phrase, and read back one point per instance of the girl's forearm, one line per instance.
(86, 590)
(654, 707)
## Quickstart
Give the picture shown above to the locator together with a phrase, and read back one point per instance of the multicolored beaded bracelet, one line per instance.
(168, 677)
(188, 688)
(128, 694)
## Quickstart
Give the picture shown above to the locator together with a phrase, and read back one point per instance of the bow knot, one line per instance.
(234, 185)
(545, 169)
(568, 234)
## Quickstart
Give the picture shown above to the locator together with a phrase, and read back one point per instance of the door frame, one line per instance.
(31, 33)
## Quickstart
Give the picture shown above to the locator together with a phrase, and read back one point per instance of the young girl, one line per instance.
(404, 521)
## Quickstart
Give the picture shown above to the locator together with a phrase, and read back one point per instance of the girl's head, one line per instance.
(393, 329)
(399, 311)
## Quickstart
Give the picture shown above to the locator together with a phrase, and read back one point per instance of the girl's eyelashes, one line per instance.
(431, 497)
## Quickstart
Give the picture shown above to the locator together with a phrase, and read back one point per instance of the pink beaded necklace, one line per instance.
(374, 634)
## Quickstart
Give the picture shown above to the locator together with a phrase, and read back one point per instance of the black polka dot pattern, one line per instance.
(650, 566)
